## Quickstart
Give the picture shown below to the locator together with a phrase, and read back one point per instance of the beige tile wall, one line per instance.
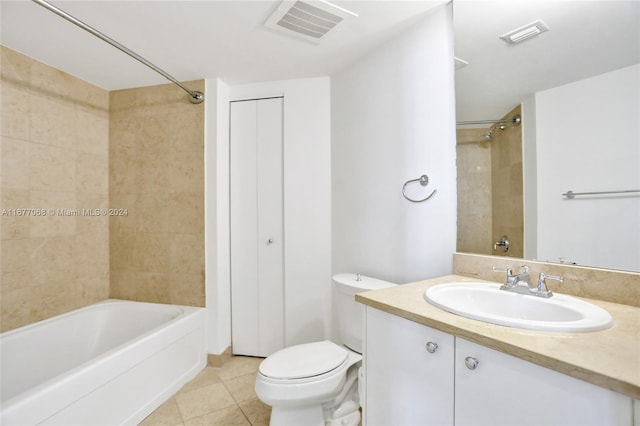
(603, 284)
(490, 198)
(506, 187)
(156, 172)
(54, 155)
(474, 191)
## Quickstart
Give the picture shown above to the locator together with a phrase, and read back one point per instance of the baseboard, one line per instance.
(218, 360)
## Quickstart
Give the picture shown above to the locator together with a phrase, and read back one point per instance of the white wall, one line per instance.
(307, 209)
(393, 119)
(530, 178)
(588, 139)
(217, 264)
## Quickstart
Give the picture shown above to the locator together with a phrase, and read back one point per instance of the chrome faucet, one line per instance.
(521, 283)
(504, 243)
(518, 283)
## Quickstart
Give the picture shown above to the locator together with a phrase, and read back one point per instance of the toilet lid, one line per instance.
(300, 361)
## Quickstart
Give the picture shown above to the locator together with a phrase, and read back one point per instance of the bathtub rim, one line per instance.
(67, 314)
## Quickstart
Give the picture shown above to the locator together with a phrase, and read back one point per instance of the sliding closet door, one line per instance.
(257, 261)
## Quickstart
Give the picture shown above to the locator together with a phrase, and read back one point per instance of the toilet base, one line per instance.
(310, 415)
(341, 410)
(344, 410)
(352, 419)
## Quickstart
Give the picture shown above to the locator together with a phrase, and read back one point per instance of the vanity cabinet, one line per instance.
(406, 383)
(505, 390)
(464, 383)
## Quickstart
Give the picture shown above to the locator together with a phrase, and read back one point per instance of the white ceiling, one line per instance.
(194, 39)
(226, 39)
(586, 38)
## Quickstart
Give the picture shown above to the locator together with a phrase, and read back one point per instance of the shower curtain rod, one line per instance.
(516, 119)
(194, 96)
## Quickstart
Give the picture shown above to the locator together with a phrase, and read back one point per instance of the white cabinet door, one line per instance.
(505, 390)
(404, 383)
(256, 202)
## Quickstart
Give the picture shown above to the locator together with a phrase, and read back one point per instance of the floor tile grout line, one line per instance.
(236, 401)
(235, 404)
(181, 391)
(237, 371)
(179, 410)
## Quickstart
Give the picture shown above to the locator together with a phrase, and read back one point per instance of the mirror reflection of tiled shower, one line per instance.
(490, 200)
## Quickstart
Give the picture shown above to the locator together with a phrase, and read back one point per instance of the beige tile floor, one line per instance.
(216, 397)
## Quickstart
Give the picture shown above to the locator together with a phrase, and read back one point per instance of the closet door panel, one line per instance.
(270, 226)
(257, 240)
(244, 228)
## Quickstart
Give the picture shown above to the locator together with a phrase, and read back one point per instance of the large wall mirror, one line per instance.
(551, 107)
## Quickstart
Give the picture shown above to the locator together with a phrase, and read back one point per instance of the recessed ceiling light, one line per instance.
(525, 32)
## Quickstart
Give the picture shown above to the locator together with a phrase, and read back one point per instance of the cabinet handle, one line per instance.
(270, 241)
(431, 347)
(471, 362)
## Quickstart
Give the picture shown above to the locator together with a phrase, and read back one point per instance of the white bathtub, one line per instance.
(111, 363)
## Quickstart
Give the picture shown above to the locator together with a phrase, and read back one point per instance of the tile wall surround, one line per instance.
(473, 157)
(507, 187)
(156, 171)
(67, 144)
(55, 155)
(603, 284)
(490, 202)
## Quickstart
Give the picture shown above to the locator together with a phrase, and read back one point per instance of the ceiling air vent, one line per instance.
(525, 32)
(311, 20)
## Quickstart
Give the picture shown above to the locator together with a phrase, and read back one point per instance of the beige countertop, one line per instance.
(608, 358)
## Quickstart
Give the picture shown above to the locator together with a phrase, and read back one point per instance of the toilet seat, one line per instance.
(304, 361)
(286, 393)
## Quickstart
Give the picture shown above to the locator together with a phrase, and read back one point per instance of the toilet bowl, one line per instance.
(302, 383)
(317, 383)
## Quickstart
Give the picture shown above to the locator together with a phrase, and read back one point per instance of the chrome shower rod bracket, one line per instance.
(195, 97)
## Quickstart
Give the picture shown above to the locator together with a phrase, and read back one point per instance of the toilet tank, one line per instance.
(349, 313)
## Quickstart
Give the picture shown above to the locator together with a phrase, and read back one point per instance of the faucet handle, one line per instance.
(525, 269)
(509, 271)
(542, 289)
(510, 280)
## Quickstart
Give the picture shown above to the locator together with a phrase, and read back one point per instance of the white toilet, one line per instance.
(317, 383)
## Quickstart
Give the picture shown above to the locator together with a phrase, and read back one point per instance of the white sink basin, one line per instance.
(486, 302)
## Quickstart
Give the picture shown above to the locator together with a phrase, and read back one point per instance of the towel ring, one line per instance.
(424, 181)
